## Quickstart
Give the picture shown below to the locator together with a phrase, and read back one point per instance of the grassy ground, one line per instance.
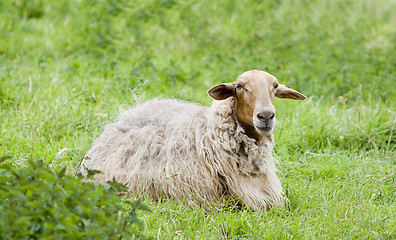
(69, 67)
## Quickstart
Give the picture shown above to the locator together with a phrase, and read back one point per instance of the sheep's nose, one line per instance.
(265, 115)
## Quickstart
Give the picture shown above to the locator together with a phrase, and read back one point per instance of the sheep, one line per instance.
(202, 156)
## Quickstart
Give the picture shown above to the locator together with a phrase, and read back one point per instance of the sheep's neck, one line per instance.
(252, 133)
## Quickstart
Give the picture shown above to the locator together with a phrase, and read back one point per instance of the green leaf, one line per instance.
(119, 187)
(61, 172)
(55, 204)
(3, 158)
(91, 173)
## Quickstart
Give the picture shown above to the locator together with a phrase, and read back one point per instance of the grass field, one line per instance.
(69, 67)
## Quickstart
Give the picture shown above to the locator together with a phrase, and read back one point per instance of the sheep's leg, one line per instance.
(259, 192)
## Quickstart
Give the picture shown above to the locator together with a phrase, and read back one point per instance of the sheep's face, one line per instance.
(254, 93)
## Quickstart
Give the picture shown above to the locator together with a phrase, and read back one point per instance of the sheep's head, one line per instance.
(254, 93)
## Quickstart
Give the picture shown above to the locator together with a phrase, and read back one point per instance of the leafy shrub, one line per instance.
(37, 203)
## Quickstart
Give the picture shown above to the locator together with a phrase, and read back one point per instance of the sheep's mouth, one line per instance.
(264, 130)
(264, 127)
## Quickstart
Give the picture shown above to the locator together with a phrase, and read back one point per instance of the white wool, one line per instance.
(185, 151)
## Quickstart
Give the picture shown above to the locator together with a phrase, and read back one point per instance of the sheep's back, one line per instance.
(161, 113)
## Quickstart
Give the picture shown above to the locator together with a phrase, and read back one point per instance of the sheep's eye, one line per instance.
(276, 86)
(239, 86)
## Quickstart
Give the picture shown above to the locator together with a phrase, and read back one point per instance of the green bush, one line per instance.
(38, 203)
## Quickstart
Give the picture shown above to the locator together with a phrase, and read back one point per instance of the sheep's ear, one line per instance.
(222, 91)
(283, 91)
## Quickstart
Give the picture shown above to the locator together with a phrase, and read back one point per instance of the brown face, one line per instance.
(254, 93)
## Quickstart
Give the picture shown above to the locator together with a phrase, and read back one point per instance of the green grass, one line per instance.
(69, 67)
